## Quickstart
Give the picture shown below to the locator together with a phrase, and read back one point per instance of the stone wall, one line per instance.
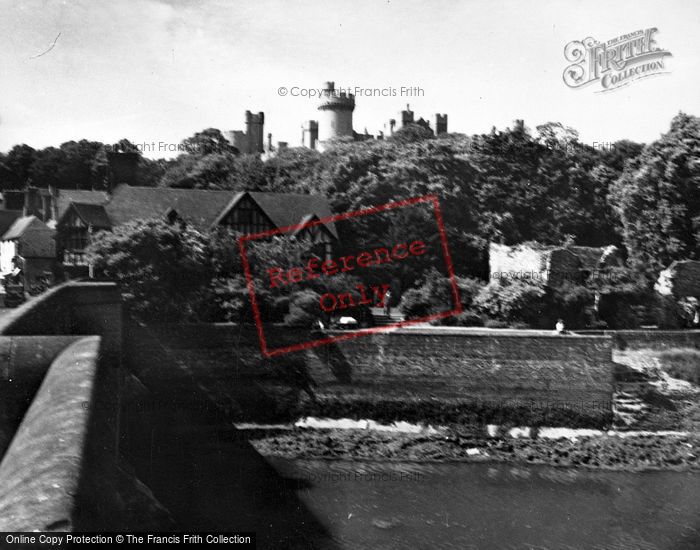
(413, 369)
(24, 361)
(63, 396)
(63, 455)
(73, 308)
(446, 362)
(649, 339)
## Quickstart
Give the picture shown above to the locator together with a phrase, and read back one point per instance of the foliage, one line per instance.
(73, 165)
(658, 199)
(465, 319)
(207, 142)
(569, 303)
(514, 301)
(681, 363)
(508, 186)
(411, 133)
(669, 313)
(161, 267)
(303, 308)
(432, 295)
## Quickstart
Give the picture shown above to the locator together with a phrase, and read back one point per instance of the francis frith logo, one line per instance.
(615, 63)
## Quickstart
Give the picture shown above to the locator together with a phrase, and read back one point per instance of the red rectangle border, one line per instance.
(339, 217)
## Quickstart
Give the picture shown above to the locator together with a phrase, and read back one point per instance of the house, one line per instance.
(255, 212)
(50, 204)
(76, 227)
(33, 242)
(7, 248)
(550, 264)
(245, 212)
(596, 258)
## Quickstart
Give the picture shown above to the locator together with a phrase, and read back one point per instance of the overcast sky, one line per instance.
(158, 71)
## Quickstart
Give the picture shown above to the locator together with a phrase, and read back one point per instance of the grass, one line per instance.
(681, 363)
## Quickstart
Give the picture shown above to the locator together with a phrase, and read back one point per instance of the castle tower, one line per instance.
(309, 134)
(335, 113)
(406, 117)
(254, 130)
(440, 124)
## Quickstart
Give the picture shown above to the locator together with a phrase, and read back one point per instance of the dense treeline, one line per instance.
(73, 165)
(509, 186)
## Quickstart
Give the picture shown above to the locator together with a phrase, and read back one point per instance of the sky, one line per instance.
(156, 71)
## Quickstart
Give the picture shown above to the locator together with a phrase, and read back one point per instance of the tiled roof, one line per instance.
(7, 218)
(196, 206)
(21, 225)
(291, 208)
(18, 228)
(204, 208)
(67, 196)
(93, 214)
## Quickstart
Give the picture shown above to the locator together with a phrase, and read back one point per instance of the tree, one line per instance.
(160, 267)
(514, 302)
(19, 161)
(411, 133)
(207, 142)
(658, 199)
(83, 165)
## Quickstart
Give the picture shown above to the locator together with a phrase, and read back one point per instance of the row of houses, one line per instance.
(52, 231)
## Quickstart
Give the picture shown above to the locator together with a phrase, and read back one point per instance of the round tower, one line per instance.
(335, 113)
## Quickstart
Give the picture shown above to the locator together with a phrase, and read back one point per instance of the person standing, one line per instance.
(387, 303)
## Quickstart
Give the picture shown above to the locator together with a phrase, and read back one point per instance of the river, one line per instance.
(389, 505)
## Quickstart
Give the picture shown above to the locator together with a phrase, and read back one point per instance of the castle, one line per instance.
(334, 123)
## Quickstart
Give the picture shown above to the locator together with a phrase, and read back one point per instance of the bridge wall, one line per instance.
(61, 398)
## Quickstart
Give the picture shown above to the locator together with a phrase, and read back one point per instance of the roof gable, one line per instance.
(286, 209)
(67, 196)
(92, 214)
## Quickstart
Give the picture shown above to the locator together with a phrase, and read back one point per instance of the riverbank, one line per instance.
(629, 452)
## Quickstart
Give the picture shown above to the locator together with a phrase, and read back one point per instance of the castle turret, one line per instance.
(406, 117)
(254, 124)
(335, 113)
(309, 134)
(250, 141)
(440, 124)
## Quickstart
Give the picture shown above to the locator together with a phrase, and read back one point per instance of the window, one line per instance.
(74, 239)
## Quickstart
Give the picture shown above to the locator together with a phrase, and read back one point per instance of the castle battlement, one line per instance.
(332, 100)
